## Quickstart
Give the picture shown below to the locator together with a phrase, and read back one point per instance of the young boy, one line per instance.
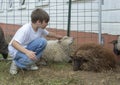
(28, 43)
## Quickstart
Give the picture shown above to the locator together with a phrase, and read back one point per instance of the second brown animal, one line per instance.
(93, 57)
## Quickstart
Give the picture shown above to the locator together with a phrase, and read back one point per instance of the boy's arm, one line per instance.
(53, 35)
(20, 48)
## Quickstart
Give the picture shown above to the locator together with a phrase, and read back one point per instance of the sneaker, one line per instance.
(13, 68)
(33, 67)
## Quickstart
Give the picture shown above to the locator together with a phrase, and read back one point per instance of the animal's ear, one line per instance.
(82, 59)
(113, 42)
(65, 37)
(73, 57)
(59, 41)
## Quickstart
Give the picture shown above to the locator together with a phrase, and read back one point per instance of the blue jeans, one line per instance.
(38, 45)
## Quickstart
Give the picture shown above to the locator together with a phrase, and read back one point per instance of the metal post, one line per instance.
(99, 24)
(69, 19)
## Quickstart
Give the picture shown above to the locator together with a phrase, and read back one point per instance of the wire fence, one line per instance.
(77, 18)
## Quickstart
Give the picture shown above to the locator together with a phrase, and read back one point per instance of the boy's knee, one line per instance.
(43, 41)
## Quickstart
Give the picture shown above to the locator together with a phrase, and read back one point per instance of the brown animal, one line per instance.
(3, 45)
(93, 57)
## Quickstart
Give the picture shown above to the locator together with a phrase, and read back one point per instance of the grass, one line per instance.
(56, 74)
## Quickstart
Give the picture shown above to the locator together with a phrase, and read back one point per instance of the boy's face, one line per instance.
(42, 25)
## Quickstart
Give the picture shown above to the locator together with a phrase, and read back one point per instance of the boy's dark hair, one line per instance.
(39, 14)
